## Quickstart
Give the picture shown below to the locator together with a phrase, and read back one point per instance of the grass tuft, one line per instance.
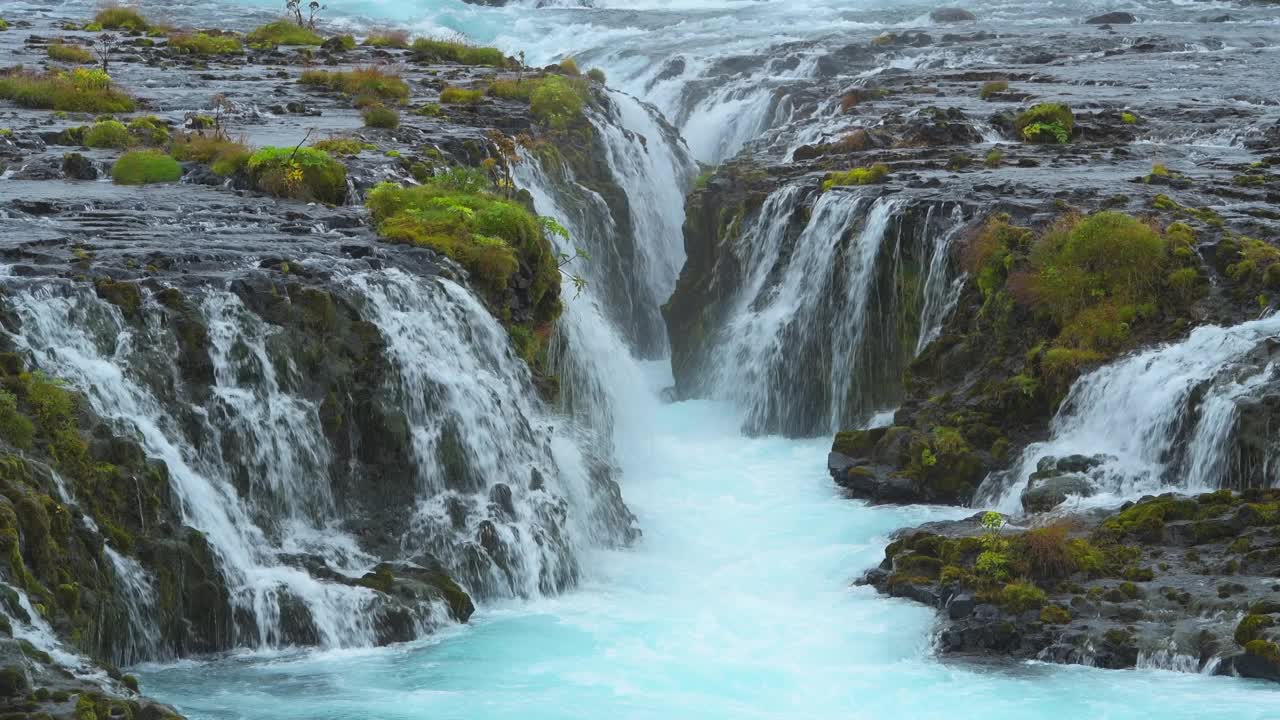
(80, 90)
(144, 167)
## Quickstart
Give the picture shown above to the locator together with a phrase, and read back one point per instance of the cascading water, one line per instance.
(1160, 420)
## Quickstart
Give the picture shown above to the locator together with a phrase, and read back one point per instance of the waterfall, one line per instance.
(1161, 420)
(817, 332)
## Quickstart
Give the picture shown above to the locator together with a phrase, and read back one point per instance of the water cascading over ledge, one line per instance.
(803, 307)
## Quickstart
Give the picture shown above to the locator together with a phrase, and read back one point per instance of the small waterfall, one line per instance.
(1162, 419)
(818, 331)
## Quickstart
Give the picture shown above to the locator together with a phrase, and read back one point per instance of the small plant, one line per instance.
(144, 167)
(1046, 122)
(433, 50)
(80, 90)
(460, 96)
(63, 52)
(117, 17)
(381, 117)
(856, 176)
(368, 82)
(103, 46)
(343, 146)
(1019, 597)
(1128, 118)
(149, 130)
(596, 75)
(398, 39)
(994, 158)
(993, 88)
(108, 134)
(299, 173)
(204, 44)
(294, 8)
(283, 32)
(569, 66)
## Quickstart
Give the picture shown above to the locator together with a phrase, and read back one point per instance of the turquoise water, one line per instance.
(736, 604)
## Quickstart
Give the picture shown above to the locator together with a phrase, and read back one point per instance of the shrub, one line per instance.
(369, 82)
(224, 157)
(1046, 122)
(430, 50)
(995, 87)
(1046, 552)
(204, 44)
(569, 66)
(1020, 597)
(460, 96)
(1055, 615)
(62, 52)
(388, 39)
(121, 18)
(149, 130)
(455, 215)
(381, 117)
(557, 101)
(994, 158)
(283, 32)
(143, 167)
(299, 173)
(856, 176)
(80, 90)
(596, 75)
(108, 134)
(15, 427)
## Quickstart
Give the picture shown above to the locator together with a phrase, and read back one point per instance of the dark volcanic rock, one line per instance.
(951, 15)
(1112, 18)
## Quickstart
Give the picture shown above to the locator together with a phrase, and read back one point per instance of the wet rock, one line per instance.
(1112, 18)
(951, 15)
(1044, 494)
(77, 167)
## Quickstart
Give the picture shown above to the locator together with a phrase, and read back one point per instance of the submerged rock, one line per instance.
(951, 15)
(1112, 18)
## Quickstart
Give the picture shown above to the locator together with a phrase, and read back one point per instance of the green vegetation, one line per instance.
(596, 75)
(299, 173)
(994, 158)
(144, 167)
(1251, 627)
(1046, 122)
(381, 117)
(63, 52)
(108, 134)
(1252, 262)
(368, 82)
(429, 50)
(1128, 118)
(555, 100)
(121, 18)
(993, 88)
(856, 176)
(569, 66)
(3, 25)
(459, 216)
(1022, 596)
(224, 156)
(1055, 615)
(80, 90)
(460, 96)
(398, 39)
(205, 44)
(283, 32)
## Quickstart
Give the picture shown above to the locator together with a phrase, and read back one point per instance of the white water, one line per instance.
(1133, 409)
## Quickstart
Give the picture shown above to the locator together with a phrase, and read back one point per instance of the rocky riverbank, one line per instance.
(205, 241)
(1074, 212)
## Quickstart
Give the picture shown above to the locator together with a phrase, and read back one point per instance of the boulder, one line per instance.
(1112, 18)
(1045, 494)
(951, 15)
(78, 167)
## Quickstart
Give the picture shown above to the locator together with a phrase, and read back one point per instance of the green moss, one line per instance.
(205, 44)
(1054, 615)
(299, 173)
(993, 88)
(856, 176)
(121, 18)
(381, 580)
(855, 443)
(1251, 627)
(343, 146)
(283, 32)
(15, 428)
(1263, 649)
(1146, 519)
(144, 167)
(149, 130)
(458, 215)
(994, 158)
(460, 96)
(1046, 122)
(388, 39)
(1128, 118)
(63, 52)
(80, 90)
(558, 102)
(381, 117)
(367, 82)
(108, 134)
(596, 75)
(429, 50)
(1020, 597)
